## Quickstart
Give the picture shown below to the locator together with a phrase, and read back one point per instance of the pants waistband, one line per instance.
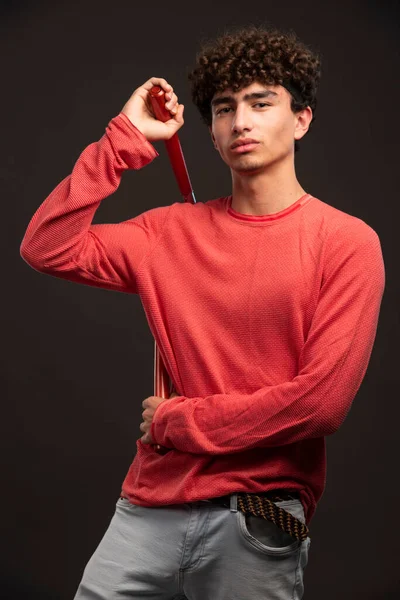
(230, 500)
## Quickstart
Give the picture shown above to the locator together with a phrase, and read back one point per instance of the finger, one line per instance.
(172, 101)
(179, 114)
(147, 438)
(146, 401)
(176, 115)
(163, 83)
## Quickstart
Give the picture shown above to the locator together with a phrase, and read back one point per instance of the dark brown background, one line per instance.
(78, 361)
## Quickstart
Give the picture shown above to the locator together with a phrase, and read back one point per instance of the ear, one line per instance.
(302, 124)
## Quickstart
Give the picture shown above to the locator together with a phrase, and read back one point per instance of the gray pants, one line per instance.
(195, 551)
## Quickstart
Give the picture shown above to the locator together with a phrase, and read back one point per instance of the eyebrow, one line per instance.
(246, 97)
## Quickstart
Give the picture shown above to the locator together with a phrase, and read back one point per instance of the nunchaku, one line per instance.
(162, 381)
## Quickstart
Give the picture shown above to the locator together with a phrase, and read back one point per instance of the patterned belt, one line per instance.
(262, 504)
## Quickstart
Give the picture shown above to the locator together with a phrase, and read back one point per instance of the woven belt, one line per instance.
(263, 505)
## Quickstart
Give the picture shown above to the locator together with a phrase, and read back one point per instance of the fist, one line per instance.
(150, 405)
(139, 111)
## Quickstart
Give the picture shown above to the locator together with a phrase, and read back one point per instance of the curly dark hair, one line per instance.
(238, 58)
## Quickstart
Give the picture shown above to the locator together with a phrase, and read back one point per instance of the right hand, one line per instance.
(139, 112)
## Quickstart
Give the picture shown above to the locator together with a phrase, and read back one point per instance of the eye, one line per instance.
(223, 110)
(262, 104)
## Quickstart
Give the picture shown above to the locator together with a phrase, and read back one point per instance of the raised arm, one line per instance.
(332, 365)
(60, 239)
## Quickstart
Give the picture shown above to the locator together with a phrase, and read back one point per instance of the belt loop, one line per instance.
(233, 507)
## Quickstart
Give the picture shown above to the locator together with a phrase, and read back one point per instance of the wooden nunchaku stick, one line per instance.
(162, 382)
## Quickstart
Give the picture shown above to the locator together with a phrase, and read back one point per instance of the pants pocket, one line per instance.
(267, 537)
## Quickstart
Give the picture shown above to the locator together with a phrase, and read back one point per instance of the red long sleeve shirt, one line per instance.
(265, 323)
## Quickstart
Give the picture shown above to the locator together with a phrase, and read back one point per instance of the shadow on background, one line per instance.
(18, 588)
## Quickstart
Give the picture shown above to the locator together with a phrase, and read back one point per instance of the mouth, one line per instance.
(244, 145)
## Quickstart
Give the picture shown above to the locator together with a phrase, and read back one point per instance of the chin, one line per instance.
(249, 168)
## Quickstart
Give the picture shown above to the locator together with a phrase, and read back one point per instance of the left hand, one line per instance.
(150, 405)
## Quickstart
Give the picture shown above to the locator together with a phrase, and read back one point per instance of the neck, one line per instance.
(265, 193)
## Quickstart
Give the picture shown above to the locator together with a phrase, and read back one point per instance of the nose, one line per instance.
(242, 119)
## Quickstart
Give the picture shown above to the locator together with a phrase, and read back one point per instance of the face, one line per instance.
(260, 114)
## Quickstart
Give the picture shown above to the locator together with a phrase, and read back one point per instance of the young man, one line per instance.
(264, 305)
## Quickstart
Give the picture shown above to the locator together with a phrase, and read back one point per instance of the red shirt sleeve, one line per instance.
(60, 239)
